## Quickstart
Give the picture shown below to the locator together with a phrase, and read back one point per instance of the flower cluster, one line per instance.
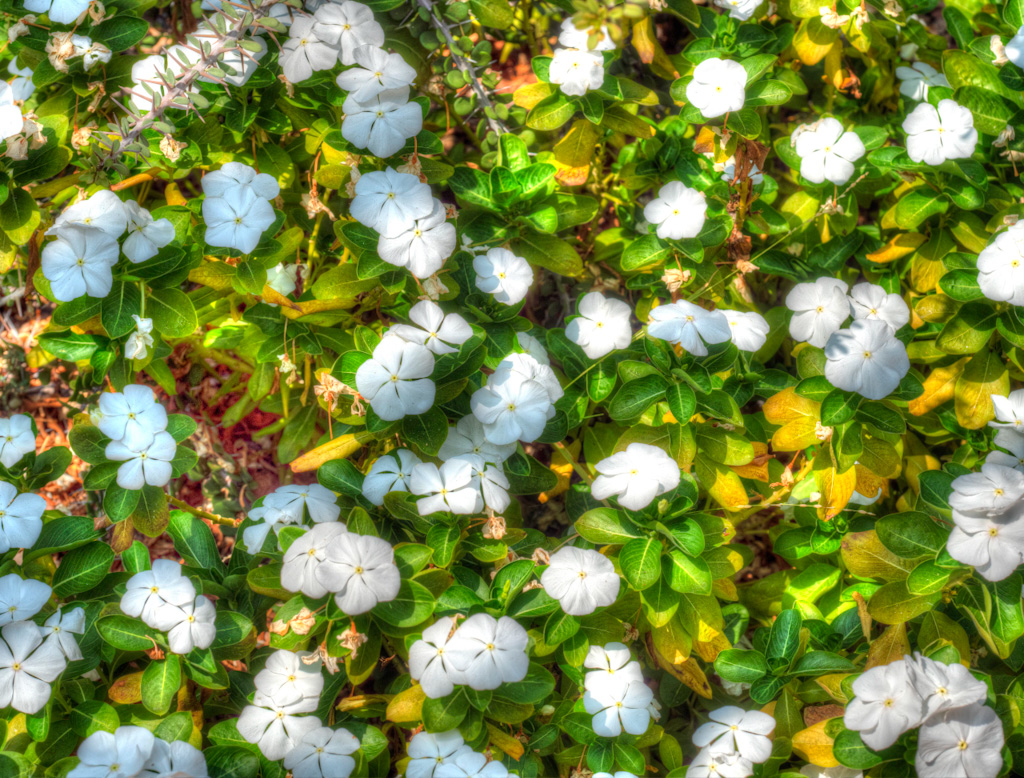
(167, 601)
(615, 693)
(732, 742)
(137, 427)
(577, 67)
(132, 752)
(237, 207)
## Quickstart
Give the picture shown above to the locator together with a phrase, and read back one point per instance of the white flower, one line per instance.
(104, 211)
(1001, 267)
(937, 134)
(690, 326)
(304, 52)
(361, 571)
(237, 220)
(827, 152)
(582, 580)
(718, 87)
(132, 417)
(16, 439)
(618, 706)
(964, 743)
(27, 667)
(295, 499)
(157, 596)
(576, 71)
(469, 764)
(819, 309)
(944, 687)
(468, 436)
(59, 11)
(274, 730)
(573, 37)
(678, 211)
(739, 9)
(489, 481)
(993, 547)
(450, 487)
(11, 119)
(992, 492)
(708, 764)
(60, 629)
(347, 26)
(396, 380)
(91, 53)
(430, 663)
(267, 518)
(1009, 410)
(423, 246)
(283, 278)
(21, 518)
(885, 705)
(21, 87)
(1014, 49)
(288, 682)
(428, 751)
(749, 329)
(382, 123)
(502, 274)
(304, 556)
(175, 760)
(1013, 442)
(388, 474)
(141, 341)
(533, 347)
(612, 659)
(118, 755)
(376, 71)
(511, 408)
(150, 76)
(728, 171)
(232, 176)
(21, 598)
(872, 302)
(436, 330)
(390, 202)
(144, 464)
(323, 753)
(867, 359)
(146, 235)
(196, 629)
(635, 476)
(734, 730)
(79, 262)
(238, 67)
(916, 80)
(602, 325)
(489, 651)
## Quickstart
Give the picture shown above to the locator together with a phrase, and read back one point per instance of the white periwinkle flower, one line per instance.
(944, 687)
(511, 408)
(275, 730)
(16, 439)
(383, 123)
(709, 764)
(390, 202)
(450, 488)
(1013, 442)
(439, 332)
(468, 436)
(347, 26)
(718, 87)
(304, 52)
(1001, 267)
(867, 359)
(237, 220)
(396, 380)
(146, 235)
(430, 662)
(305, 555)
(21, 598)
(917, 79)
(323, 753)
(28, 666)
(144, 465)
(234, 176)
(424, 246)
(635, 476)
(870, 301)
(196, 629)
(502, 274)
(141, 340)
(470, 764)
(935, 134)
(157, 596)
(734, 730)
(885, 705)
(283, 278)
(827, 152)
(573, 37)
(689, 326)
(60, 629)
(602, 325)
(21, 518)
(964, 743)
(1009, 411)
(489, 481)
(489, 652)
(678, 211)
(79, 262)
(120, 754)
(59, 11)
(103, 211)
(1014, 48)
(21, 89)
(289, 682)
(429, 751)
(11, 119)
(739, 9)
(613, 660)
(993, 547)
(993, 492)
(618, 705)
(749, 329)
(132, 417)
(361, 572)
(295, 500)
(576, 71)
(582, 580)
(819, 309)
(376, 71)
(175, 760)
(389, 473)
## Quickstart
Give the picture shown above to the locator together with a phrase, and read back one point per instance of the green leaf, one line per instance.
(118, 308)
(1007, 617)
(63, 534)
(445, 713)
(427, 430)
(606, 526)
(741, 666)
(784, 639)
(125, 633)
(911, 535)
(838, 407)
(120, 32)
(193, 540)
(550, 113)
(160, 682)
(640, 560)
(644, 252)
(915, 207)
(172, 313)
(636, 396)
(267, 580)
(686, 574)
(549, 252)
(19, 216)
(681, 401)
(413, 605)
(82, 568)
(746, 122)
(70, 345)
(969, 330)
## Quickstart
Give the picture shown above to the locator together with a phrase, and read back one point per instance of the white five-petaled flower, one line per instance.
(60, 629)
(361, 572)
(21, 518)
(304, 52)
(157, 596)
(1001, 267)
(132, 417)
(917, 79)
(450, 488)
(79, 262)
(573, 37)
(749, 329)
(196, 628)
(347, 26)
(16, 439)
(576, 71)
(870, 301)
(21, 598)
(618, 705)
(286, 681)
(439, 332)
(305, 555)
(635, 476)
(295, 500)
(389, 473)
(275, 730)
(739, 9)
(144, 465)
(429, 751)
(936, 134)
(173, 760)
(376, 71)
(430, 663)
(678, 211)
(323, 752)
(708, 764)
(718, 87)
(59, 11)
(489, 481)
(582, 580)
(602, 325)
(146, 235)
(424, 246)
(610, 660)
(471, 764)
(383, 123)
(819, 309)
(993, 492)
(233, 176)
(1009, 410)
(103, 211)
(511, 408)
(503, 275)
(468, 436)
(994, 548)
(21, 87)
(121, 754)
(390, 202)
(140, 340)
(28, 665)
(489, 652)
(944, 687)
(964, 743)
(827, 152)
(689, 326)
(237, 220)
(885, 705)
(1011, 440)
(1014, 48)
(867, 359)
(396, 380)
(733, 730)
(11, 119)
(91, 52)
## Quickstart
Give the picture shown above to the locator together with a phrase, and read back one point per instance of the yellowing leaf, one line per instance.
(813, 41)
(724, 486)
(898, 247)
(866, 557)
(836, 487)
(528, 95)
(787, 405)
(891, 646)
(510, 745)
(406, 707)
(127, 690)
(984, 376)
(938, 388)
(756, 469)
(341, 447)
(646, 43)
(710, 642)
(815, 746)
(796, 435)
(576, 149)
